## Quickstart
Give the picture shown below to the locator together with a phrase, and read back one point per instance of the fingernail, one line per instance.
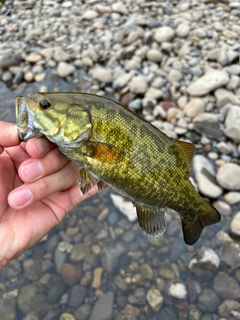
(20, 197)
(40, 145)
(32, 171)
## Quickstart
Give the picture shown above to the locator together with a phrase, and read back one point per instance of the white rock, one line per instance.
(138, 84)
(124, 206)
(121, 81)
(177, 290)
(194, 107)
(224, 96)
(232, 197)
(89, 15)
(208, 82)
(205, 259)
(235, 224)
(204, 174)
(163, 34)
(183, 30)
(102, 74)
(228, 176)
(232, 123)
(119, 7)
(64, 69)
(153, 93)
(154, 55)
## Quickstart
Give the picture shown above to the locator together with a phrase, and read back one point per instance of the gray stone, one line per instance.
(163, 34)
(12, 270)
(32, 268)
(55, 292)
(77, 296)
(103, 308)
(227, 308)
(60, 55)
(8, 309)
(224, 147)
(83, 312)
(204, 173)
(228, 176)
(111, 255)
(230, 254)
(226, 287)
(208, 82)
(135, 104)
(208, 300)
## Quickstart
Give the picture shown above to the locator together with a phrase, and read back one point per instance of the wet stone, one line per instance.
(226, 287)
(155, 299)
(227, 307)
(55, 292)
(71, 273)
(177, 290)
(146, 271)
(32, 269)
(208, 300)
(83, 312)
(103, 308)
(12, 270)
(110, 256)
(76, 296)
(230, 254)
(8, 309)
(79, 251)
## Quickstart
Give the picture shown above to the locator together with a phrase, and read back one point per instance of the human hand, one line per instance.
(38, 188)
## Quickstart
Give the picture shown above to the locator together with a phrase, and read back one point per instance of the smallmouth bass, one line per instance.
(112, 145)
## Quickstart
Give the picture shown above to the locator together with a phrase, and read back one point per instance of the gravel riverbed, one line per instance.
(177, 64)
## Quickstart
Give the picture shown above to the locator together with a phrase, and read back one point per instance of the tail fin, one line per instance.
(192, 228)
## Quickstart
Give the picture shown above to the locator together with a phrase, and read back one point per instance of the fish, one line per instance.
(113, 146)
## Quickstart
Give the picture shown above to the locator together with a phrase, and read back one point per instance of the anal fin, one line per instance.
(151, 219)
(87, 181)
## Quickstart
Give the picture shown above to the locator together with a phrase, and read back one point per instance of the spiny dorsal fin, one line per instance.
(188, 149)
(151, 219)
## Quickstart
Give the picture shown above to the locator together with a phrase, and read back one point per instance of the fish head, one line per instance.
(51, 115)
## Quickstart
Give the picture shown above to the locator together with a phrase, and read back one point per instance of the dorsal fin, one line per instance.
(188, 149)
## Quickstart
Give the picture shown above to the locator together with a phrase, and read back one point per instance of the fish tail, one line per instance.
(192, 228)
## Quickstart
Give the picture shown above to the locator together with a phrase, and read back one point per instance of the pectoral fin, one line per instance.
(103, 152)
(151, 219)
(87, 181)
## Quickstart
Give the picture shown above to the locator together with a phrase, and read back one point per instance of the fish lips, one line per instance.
(25, 118)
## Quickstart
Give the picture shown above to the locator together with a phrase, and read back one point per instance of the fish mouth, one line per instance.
(25, 118)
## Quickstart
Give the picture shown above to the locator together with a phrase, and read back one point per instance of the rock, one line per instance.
(228, 176)
(230, 254)
(119, 7)
(111, 255)
(138, 85)
(83, 312)
(33, 57)
(8, 309)
(229, 307)
(55, 292)
(222, 207)
(135, 104)
(121, 81)
(204, 174)
(208, 300)
(125, 206)
(29, 76)
(154, 55)
(183, 30)
(97, 277)
(12, 270)
(232, 197)
(167, 313)
(65, 69)
(60, 55)
(225, 286)
(71, 273)
(232, 123)
(138, 297)
(194, 107)
(32, 268)
(154, 299)
(177, 290)
(146, 271)
(8, 59)
(153, 93)
(31, 299)
(224, 96)
(163, 34)
(131, 310)
(79, 251)
(89, 15)
(224, 147)
(208, 82)
(103, 308)
(204, 262)
(102, 74)
(76, 296)
(235, 224)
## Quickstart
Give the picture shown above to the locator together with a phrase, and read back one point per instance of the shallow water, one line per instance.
(98, 265)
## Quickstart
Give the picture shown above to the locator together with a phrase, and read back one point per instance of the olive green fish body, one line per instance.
(112, 145)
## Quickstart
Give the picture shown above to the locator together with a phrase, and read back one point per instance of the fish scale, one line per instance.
(112, 145)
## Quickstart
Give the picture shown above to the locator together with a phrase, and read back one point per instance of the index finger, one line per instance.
(8, 135)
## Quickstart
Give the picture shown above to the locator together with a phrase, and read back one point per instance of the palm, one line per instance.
(21, 229)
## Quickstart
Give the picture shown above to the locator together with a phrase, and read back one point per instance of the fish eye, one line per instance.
(44, 104)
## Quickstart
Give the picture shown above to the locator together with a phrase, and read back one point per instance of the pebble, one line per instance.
(208, 300)
(224, 97)
(227, 308)
(230, 254)
(71, 273)
(97, 277)
(228, 176)
(204, 173)
(154, 55)
(226, 286)
(110, 255)
(103, 308)
(102, 74)
(77, 296)
(155, 299)
(208, 82)
(32, 269)
(138, 85)
(235, 224)
(83, 312)
(232, 122)
(163, 34)
(65, 69)
(232, 197)
(182, 30)
(177, 290)
(89, 15)
(194, 107)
